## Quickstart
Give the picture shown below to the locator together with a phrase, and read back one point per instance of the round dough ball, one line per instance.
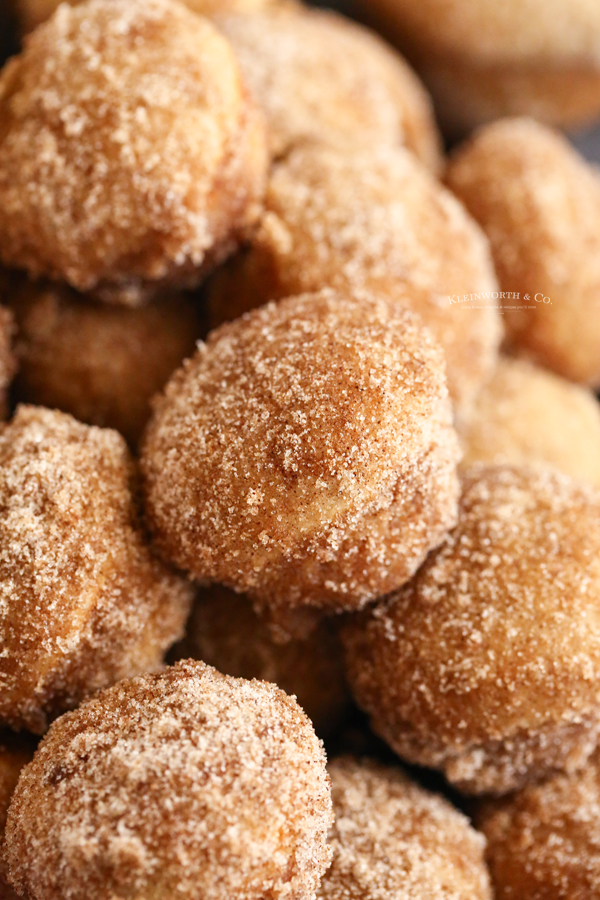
(305, 455)
(528, 416)
(487, 665)
(544, 842)
(188, 784)
(7, 358)
(102, 364)
(372, 220)
(32, 13)
(539, 203)
(392, 839)
(319, 77)
(483, 60)
(15, 753)
(82, 601)
(130, 154)
(225, 632)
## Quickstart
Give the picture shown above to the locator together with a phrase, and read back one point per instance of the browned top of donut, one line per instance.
(318, 76)
(295, 417)
(499, 633)
(183, 784)
(391, 838)
(124, 145)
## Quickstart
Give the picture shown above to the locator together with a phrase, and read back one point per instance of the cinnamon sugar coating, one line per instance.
(526, 415)
(32, 13)
(544, 842)
(487, 665)
(15, 753)
(82, 601)
(319, 77)
(373, 220)
(483, 60)
(392, 840)
(102, 364)
(539, 203)
(225, 632)
(130, 154)
(188, 784)
(305, 455)
(7, 359)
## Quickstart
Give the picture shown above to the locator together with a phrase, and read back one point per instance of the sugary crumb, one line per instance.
(130, 153)
(319, 77)
(379, 221)
(305, 455)
(392, 839)
(83, 603)
(487, 664)
(188, 784)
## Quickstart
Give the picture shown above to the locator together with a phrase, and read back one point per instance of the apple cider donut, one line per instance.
(100, 363)
(380, 221)
(487, 665)
(15, 753)
(544, 841)
(187, 784)
(525, 415)
(319, 77)
(392, 839)
(130, 154)
(82, 601)
(305, 454)
(539, 203)
(225, 632)
(32, 13)
(7, 358)
(483, 60)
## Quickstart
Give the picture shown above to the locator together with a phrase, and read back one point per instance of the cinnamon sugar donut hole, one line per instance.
(483, 60)
(320, 77)
(130, 154)
(392, 839)
(539, 203)
(376, 220)
(15, 753)
(487, 665)
(305, 454)
(525, 415)
(32, 13)
(225, 632)
(82, 601)
(101, 363)
(7, 358)
(543, 843)
(188, 784)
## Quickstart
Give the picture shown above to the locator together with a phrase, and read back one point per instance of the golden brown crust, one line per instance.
(225, 632)
(372, 220)
(392, 839)
(487, 664)
(130, 154)
(240, 799)
(305, 455)
(539, 203)
(8, 363)
(319, 77)
(82, 601)
(544, 842)
(483, 60)
(102, 364)
(525, 415)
